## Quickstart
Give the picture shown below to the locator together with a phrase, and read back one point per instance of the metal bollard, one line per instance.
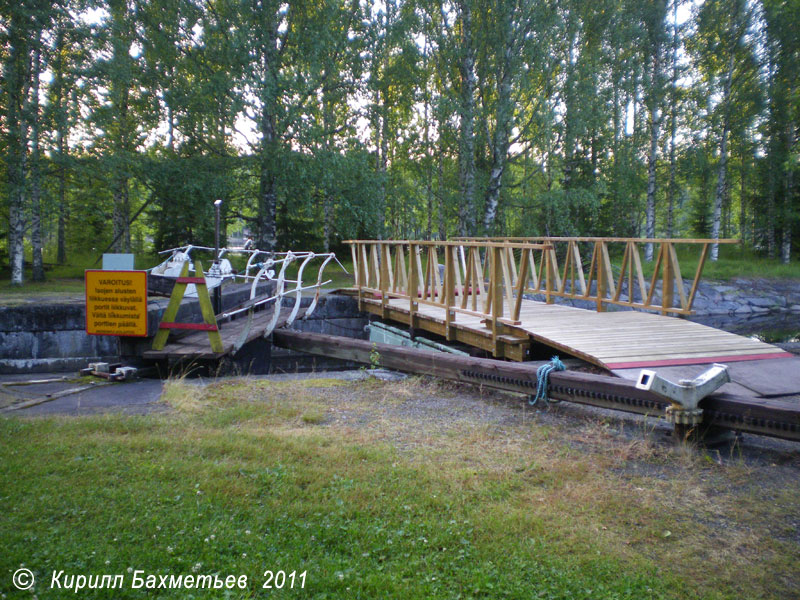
(685, 395)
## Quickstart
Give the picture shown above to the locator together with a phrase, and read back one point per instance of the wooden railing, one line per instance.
(477, 278)
(475, 271)
(628, 286)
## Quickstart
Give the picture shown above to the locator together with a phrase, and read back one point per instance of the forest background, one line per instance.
(316, 121)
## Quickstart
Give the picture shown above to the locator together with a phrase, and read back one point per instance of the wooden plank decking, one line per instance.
(612, 340)
(195, 345)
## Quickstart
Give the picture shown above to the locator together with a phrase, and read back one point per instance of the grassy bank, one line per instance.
(734, 263)
(68, 280)
(387, 490)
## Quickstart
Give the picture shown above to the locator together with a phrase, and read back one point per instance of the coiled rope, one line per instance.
(542, 376)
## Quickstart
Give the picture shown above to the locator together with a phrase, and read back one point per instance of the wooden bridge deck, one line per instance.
(195, 345)
(612, 340)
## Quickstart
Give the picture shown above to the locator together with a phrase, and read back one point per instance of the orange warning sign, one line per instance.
(116, 303)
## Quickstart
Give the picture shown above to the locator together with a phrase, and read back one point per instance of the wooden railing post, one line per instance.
(413, 284)
(449, 296)
(522, 278)
(548, 277)
(384, 254)
(496, 284)
(362, 279)
(364, 265)
(601, 282)
(697, 274)
(668, 280)
(354, 254)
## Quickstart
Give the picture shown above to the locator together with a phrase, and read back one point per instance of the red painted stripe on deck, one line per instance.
(196, 326)
(697, 361)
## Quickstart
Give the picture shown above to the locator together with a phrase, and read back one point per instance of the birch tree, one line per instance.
(722, 45)
(782, 56)
(34, 119)
(467, 88)
(673, 119)
(655, 25)
(505, 30)
(14, 75)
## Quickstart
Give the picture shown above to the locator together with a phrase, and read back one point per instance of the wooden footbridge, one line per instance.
(481, 292)
(499, 296)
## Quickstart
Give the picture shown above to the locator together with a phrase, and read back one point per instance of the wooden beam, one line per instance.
(601, 282)
(521, 279)
(637, 262)
(667, 279)
(497, 296)
(413, 283)
(697, 275)
(678, 277)
(760, 416)
(356, 267)
(449, 289)
(622, 274)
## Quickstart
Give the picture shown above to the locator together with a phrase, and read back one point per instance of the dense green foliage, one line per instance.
(318, 121)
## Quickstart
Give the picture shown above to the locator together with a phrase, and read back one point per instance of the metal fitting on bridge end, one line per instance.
(681, 416)
(686, 394)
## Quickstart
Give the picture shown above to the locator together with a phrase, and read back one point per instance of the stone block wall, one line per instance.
(51, 336)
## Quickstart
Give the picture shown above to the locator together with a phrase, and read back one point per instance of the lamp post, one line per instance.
(217, 204)
(218, 289)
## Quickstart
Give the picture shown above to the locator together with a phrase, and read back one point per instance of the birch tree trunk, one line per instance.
(267, 236)
(499, 158)
(466, 154)
(786, 242)
(428, 166)
(121, 128)
(652, 157)
(61, 146)
(122, 232)
(657, 33)
(36, 192)
(570, 108)
(267, 51)
(771, 211)
(723, 159)
(742, 200)
(327, 201)
(503, 118)
(13, 76)
(121, 216)
(673, 117)
(440, 193)
(720, 190)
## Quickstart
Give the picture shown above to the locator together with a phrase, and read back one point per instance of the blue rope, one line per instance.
(542, 375)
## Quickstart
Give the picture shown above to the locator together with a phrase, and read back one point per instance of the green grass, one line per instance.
(734, 262)
(67, 279)
(243, 477)
(55, 286)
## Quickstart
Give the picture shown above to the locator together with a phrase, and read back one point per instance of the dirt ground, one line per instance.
(451, 405)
